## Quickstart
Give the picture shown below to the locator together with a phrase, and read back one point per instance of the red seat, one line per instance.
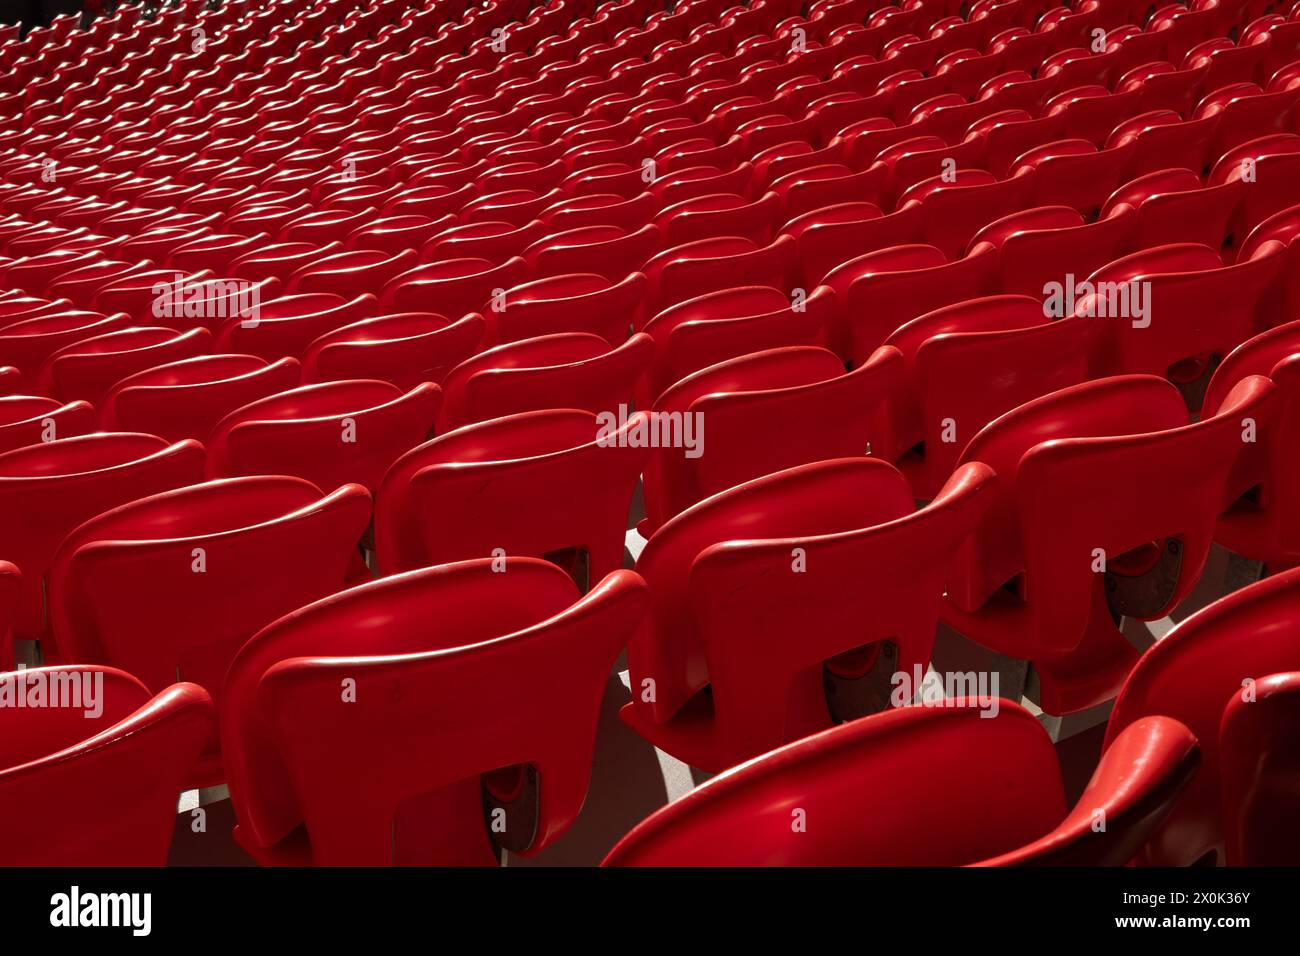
(52, 758)
(606, 250)
(1196, 309)
(707, 265)
(1009, 810)
(1263, 522)
(968, 363)
(569, 303)
(287, 325)
(565, 370)
(1202, 673)
(453, 287)
(147, 586)
(27, 342)
(708, 329)
(882, 291)
(331, 434)
(343, 273)
(1039, 246)
(464, 495)
(1258, 730)
(1105, 507)
(441, 659)
(788, 602)
(48, 489)
(186, 399)
(1270, 168)
(406, 348)
(1173, 205)
(28, 419)
(87, 369)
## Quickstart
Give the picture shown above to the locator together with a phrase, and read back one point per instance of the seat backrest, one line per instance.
(734, 409)
(186, 399)
(1257, 750)
(406, 349)
(564, 370)
(535, 483)
(441, 660)
(1113, 493)
(1224, 652)
(132, 753)
(331, 433)
(148, 585)
(48, 489)
(856, 795)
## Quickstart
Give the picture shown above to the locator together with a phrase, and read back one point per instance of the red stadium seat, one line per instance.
(565, 370)
(330, 434)
(459, 496)
(1010, 811)
(309, 783)
(720, 420)
(1197, 673)
(52, 757)
(1082, 531)
(147, 586)
(736, 578)
(186, 399)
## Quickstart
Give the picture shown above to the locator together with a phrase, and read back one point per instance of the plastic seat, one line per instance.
(464, 495)
(1010, 809)
(345, 273)
(1258, 730)
(330, 434)
(1043, 245)
(147, 585)
(968, 363)
(48, 489)
(88, 369)
(1196, 310)
(186, 399)
(708, 329)
(1270, 168)
(606, 250)
(1213, 672)
(570, 303)
(404, 349)
(882, 291)
(728, 413)
(565, 370)
(453, 287)
(707, 265)
(1263, 522)
(132, 756)
(28, 419)
(29, 341)
(1106, 507)
(791, 598)
(1173, 205)
(442, 658)
(287, 325)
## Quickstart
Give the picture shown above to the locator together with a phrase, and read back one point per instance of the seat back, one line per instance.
(1223, 653)
(147, 586)
(441, 660)
(132, 756)
(732, 411)
(48, 489)
(331, 434)
(465, 494)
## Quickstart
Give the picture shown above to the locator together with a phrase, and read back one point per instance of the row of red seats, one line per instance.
(749, 158)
